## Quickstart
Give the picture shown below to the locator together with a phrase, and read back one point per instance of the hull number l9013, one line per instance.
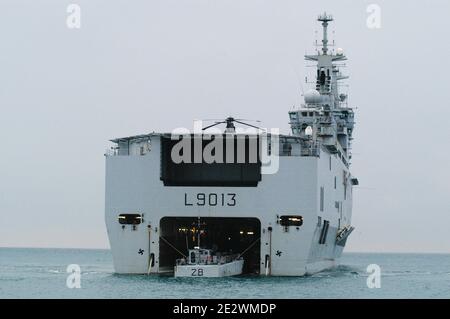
(210, 199)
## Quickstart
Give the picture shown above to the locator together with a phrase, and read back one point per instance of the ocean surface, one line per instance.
(41, 273)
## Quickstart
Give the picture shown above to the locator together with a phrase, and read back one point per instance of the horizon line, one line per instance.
(351, 251)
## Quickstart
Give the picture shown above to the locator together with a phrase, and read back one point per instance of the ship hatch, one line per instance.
(231, 235)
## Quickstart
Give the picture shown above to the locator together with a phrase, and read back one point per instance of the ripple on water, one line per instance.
(26, 273)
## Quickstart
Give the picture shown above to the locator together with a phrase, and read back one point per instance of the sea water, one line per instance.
(42, 273)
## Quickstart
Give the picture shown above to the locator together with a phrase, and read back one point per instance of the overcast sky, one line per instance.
(138, 66)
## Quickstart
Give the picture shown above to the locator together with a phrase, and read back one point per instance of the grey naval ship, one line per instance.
(240, 200)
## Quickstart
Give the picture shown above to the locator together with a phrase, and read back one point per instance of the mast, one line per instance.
(324, 18)
(333, 121)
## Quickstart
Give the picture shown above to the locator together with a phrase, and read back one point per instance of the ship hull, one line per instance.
(311, 187)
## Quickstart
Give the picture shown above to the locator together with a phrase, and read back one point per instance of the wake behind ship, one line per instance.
(168, 210)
